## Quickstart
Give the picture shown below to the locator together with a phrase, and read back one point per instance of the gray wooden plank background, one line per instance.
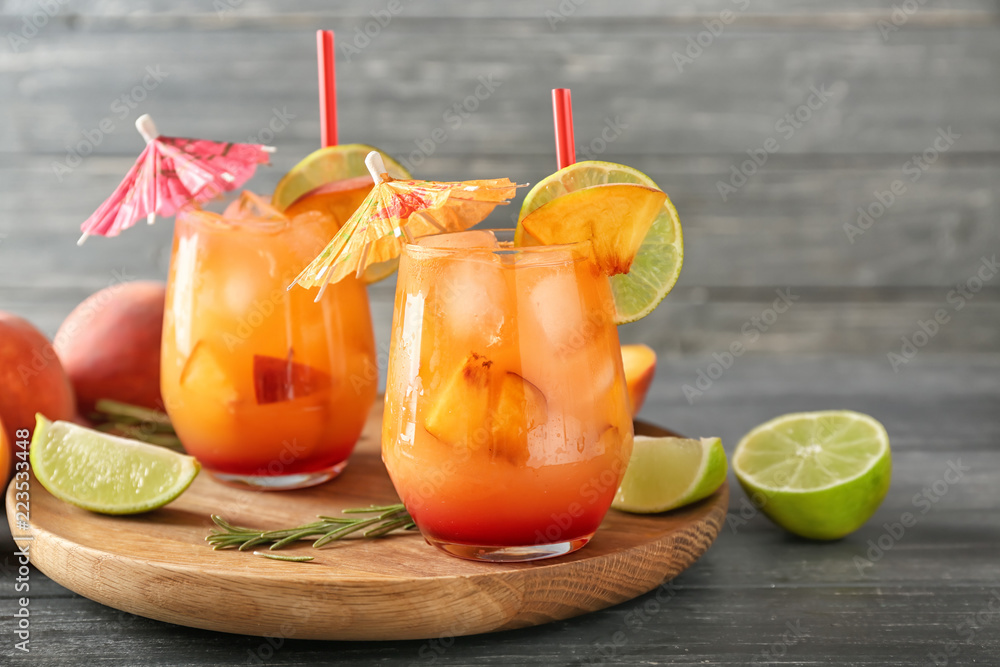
(226, 70)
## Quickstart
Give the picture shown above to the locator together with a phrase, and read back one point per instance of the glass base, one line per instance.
(279, 482)
(494, 554)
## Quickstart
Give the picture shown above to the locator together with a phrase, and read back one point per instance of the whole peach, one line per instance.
(31, 378)
(6, 458)
(110, 345)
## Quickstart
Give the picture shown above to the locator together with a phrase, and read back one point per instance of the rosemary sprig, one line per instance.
(117, 409)
(136, 422)
(168, 440)
(386, 519)
(291, 559)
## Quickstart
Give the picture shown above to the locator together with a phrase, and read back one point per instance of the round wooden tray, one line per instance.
(158, 564)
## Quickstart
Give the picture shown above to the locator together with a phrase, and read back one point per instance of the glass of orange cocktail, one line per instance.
(265, 387)
(506, 428)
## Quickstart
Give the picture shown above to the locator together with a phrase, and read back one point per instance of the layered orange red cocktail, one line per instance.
(507, 426)
(263, 385)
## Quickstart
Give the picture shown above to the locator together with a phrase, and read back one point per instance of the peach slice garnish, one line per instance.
(614, 217)
(639, 362)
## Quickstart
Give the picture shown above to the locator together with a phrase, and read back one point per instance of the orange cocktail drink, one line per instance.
(506, 428)
(264, 386)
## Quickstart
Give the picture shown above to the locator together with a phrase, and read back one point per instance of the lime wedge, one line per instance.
(820, 475)
(667, 473)
(105, 473)
(657, 264)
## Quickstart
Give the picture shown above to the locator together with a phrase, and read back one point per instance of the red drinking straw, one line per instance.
(327, 88)
(562, 114)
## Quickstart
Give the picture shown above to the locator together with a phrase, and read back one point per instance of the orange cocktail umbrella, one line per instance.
(395, 210)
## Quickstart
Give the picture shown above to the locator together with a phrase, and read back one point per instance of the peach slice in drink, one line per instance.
(277, 380)
(520, 410)
(204, 371)
(485, 408)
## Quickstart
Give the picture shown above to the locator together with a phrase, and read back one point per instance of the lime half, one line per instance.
(327, 166)
(820, 475)
(105, 473)
(658, 262)
(335, 179)
(667, 473)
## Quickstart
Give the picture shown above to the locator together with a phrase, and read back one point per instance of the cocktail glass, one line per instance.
(265, 387)
(506, 428)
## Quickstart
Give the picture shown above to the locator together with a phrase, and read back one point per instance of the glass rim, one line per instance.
(194, 214)
(416, 248)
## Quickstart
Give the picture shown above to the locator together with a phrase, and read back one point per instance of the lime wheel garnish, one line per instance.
(335, 181)
(657, 263)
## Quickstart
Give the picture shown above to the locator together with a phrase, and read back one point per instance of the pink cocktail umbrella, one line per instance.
(170, 173)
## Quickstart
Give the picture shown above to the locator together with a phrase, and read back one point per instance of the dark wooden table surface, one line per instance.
(688, 94)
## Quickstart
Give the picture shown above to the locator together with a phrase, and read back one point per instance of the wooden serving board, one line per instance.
(158, 564)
